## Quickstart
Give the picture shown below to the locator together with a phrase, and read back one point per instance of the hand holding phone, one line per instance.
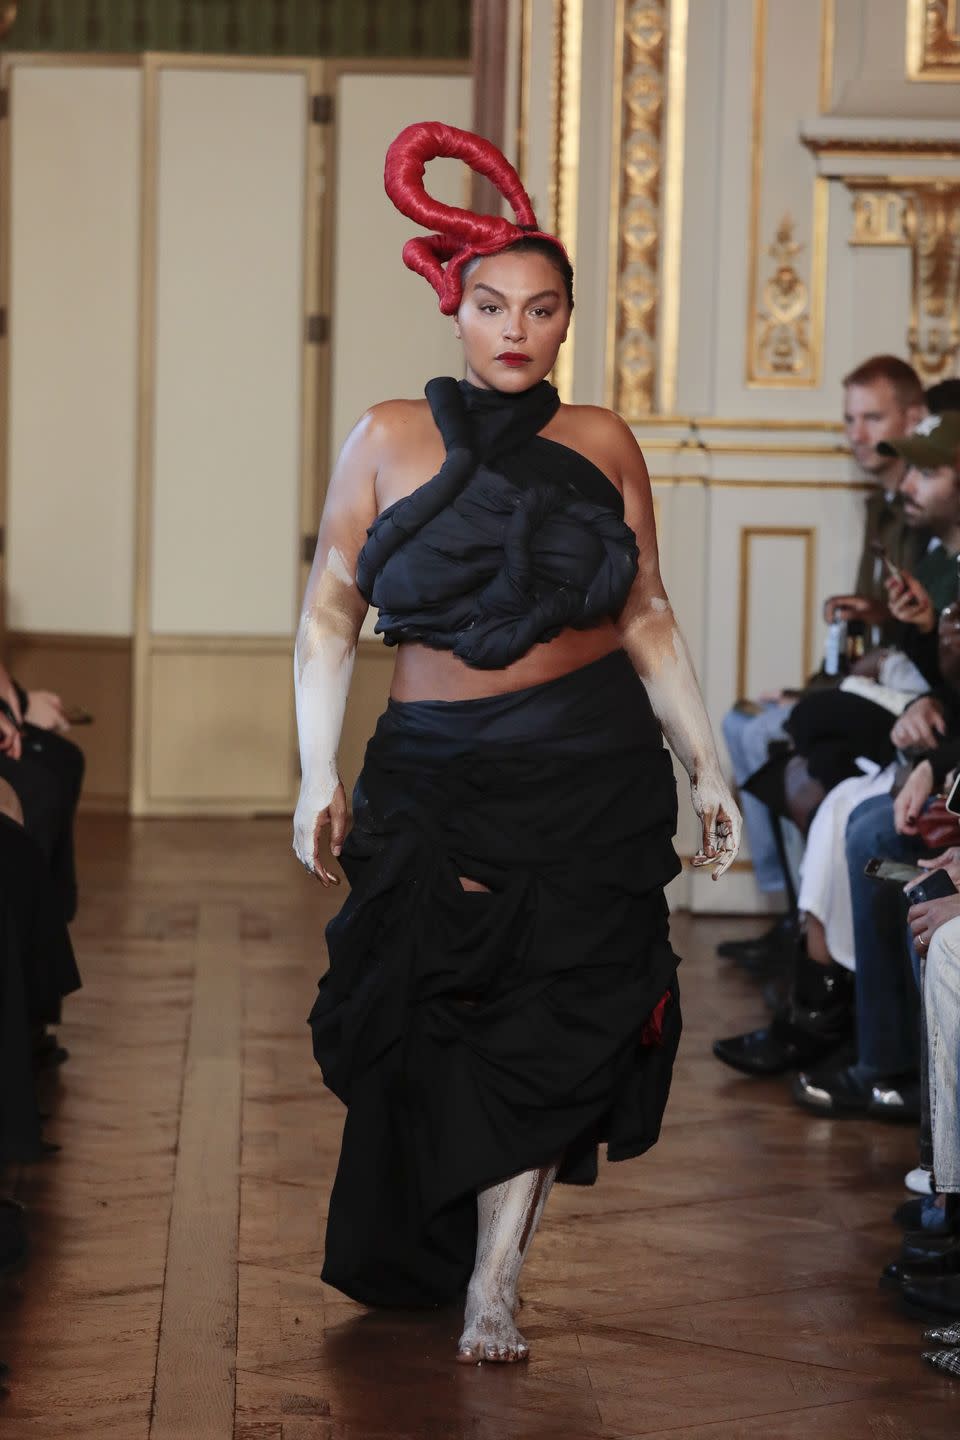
(936, 885)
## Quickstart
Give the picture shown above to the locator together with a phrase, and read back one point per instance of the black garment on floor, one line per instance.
(831, 728)
(37, 969)
(48, 778)
(475, 1035)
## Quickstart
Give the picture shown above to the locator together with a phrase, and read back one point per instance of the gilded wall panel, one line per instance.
(639, 101)
(787, 260)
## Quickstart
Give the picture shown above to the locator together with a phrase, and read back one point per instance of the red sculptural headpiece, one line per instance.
(461, 235)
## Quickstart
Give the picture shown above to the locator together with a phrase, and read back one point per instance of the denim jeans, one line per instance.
(887, 999)
(941, 999)
(748, 740)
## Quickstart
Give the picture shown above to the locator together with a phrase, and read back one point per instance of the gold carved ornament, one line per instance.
(782, 335)
(932, 224)
(636, 277)
(933, 39)
(923, 214)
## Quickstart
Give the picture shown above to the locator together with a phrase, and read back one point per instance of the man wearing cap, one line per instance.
(882, 399)
(930, 492)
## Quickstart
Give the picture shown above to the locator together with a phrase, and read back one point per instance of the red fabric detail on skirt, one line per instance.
(652, 1032)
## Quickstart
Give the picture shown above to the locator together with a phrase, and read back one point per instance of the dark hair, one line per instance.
(533, 245)
(943, 396)
(903, 378)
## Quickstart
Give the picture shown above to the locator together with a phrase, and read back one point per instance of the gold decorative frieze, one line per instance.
(933, 40)
(932, 221)
(878, 217)
(639, 96)
(782, 331)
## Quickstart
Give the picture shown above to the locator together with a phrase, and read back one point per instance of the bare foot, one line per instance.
(489, 1332)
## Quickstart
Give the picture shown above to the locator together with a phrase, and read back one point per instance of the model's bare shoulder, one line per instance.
(603, 434)
(396, 421)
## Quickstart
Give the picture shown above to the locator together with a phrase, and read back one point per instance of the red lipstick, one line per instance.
(513, 357)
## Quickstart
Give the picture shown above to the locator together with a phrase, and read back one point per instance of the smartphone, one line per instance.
(76, 715)
(895, 870)
(934, 886)
(953, 799)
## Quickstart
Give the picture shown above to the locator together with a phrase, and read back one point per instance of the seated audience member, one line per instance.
(46, 771)
(832, 730)
(927, 1274)
(883, 399)
(37, 969)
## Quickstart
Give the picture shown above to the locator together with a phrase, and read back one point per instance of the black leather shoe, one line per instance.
(759, 949)
(782, 1046)
(832, 1091)
(932, 1294)
(896, 1099)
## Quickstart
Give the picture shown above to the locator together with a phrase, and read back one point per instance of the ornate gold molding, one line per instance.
(782, 330)
(923, 214)
(639, 95)
(565, 104)
(878, 217)
(932, 222)
(933, 40)
(784, 341)
(891, 146)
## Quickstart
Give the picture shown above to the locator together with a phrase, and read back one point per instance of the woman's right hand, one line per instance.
(310, 822)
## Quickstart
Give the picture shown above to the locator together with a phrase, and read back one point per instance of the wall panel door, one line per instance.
(71, 216)
(232, 170)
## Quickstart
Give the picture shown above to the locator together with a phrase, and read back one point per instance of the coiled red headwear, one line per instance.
(461, 235)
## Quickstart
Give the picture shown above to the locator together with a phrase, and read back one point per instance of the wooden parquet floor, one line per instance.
(723, 1287)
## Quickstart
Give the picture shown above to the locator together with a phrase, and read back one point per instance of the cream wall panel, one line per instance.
(869, 68)
(229, 348)
(194, 763)
(709, 167)
(389, 337)
(73, 310)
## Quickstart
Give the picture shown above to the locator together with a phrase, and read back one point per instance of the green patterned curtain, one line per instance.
(429, 28)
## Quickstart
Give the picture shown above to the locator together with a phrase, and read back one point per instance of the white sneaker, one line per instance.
(919, 1182)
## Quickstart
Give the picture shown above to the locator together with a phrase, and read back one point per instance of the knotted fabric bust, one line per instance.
(513, 540)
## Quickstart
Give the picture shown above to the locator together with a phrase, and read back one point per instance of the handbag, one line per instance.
(936, 826)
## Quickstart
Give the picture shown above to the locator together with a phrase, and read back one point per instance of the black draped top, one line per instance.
(514, 539)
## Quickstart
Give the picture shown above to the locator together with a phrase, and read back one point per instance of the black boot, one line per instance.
(816, 1022)
(762, 951)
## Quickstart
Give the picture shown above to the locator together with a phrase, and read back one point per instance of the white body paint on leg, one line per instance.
(507, 1218)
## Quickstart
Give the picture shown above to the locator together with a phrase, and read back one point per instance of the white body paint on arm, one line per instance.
(333, 612)
(658, 651)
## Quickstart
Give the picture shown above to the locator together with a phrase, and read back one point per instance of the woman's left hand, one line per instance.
(720, 821)
(910, 602)
(926, 919)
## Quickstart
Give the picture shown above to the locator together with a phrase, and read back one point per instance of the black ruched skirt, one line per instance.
(476, 1034)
